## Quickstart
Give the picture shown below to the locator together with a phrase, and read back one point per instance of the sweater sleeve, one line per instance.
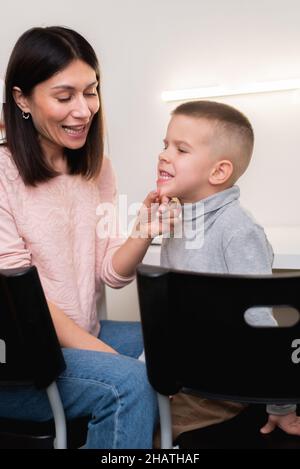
(249, 252)
(13, 252)
(109, 233)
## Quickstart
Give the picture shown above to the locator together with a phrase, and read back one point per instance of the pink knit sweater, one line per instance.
(53, 226)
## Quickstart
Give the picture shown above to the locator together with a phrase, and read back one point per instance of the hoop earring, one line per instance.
(25, 115)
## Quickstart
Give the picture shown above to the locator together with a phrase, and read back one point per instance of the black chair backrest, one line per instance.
(30, 349)
(196, 336)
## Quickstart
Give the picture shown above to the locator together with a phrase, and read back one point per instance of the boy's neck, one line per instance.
(205, 194)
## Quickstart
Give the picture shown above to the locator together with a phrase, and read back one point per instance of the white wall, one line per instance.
(147, 46)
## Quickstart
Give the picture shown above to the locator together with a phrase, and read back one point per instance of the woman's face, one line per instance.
(62, 107)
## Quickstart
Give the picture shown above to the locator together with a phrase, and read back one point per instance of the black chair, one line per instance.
(30, 355)
(196, 338)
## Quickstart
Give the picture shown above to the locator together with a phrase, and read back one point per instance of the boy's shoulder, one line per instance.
(235, 220)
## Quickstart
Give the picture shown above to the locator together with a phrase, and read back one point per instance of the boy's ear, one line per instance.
(221, 172)
(20, 100)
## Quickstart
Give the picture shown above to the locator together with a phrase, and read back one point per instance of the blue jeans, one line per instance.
(112, 389)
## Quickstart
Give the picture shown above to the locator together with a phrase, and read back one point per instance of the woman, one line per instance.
(52, 179)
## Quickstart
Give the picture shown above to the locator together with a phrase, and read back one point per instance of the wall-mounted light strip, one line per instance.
(220, 91)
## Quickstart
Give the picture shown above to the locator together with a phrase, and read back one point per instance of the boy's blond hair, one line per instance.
(233, 136)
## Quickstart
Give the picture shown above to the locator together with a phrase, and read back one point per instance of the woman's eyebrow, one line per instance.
(69, 87)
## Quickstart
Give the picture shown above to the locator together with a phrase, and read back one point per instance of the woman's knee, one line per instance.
(123, 375)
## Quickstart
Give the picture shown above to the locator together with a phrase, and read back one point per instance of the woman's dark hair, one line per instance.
(38, 54)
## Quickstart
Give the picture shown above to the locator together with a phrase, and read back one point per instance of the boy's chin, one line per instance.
(163, 191)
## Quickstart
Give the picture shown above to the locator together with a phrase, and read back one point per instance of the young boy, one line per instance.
(207, 148)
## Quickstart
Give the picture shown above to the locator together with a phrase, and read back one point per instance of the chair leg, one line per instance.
(164, 407)
(60, 441)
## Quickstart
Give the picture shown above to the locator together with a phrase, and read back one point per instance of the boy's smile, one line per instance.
(164, 176)
(186, 162)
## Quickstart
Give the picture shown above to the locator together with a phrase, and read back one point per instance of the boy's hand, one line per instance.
(289, 423)
(156, 216)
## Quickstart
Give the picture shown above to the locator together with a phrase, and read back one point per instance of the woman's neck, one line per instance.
(55, 157)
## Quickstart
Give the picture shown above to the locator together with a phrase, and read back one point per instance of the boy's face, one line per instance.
(186, 162)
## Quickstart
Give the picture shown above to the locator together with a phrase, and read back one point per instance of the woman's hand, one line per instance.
(157, 216)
